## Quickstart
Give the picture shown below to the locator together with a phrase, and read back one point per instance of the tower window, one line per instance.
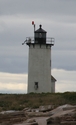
(50, 63)
(36, 85)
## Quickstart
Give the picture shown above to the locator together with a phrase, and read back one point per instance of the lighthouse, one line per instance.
(39, 62)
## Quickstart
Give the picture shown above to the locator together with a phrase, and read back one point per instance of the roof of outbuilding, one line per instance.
(53, 79)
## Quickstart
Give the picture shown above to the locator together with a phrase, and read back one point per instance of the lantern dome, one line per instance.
(40, 36)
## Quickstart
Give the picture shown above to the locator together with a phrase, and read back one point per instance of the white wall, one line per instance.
(53, 86)
(39, 69)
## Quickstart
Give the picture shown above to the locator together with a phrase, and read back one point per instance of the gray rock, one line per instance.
(46, 108)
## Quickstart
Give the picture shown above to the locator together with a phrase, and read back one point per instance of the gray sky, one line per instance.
(58, 18)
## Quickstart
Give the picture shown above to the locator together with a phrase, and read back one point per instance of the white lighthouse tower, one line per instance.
(39, 63)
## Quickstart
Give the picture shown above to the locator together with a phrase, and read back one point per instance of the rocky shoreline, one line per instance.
(44, 115)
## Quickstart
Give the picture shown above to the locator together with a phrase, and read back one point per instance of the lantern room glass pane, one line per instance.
(36, 35)
(40, 35)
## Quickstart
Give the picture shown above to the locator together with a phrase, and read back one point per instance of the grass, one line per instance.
(33, 100)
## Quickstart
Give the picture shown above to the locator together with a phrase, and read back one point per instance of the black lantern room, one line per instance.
(40, 36)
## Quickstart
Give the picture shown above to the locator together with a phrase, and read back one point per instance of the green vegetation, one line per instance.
(33, 100)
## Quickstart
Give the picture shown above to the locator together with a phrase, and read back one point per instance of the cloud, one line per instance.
(58, 19)
(17, 83)
(13, 83)
(37, 7)
(64, 59)
(14, 56)
(66, 80)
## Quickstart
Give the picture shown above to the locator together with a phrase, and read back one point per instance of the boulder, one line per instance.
(68, 123)
(46, 108)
